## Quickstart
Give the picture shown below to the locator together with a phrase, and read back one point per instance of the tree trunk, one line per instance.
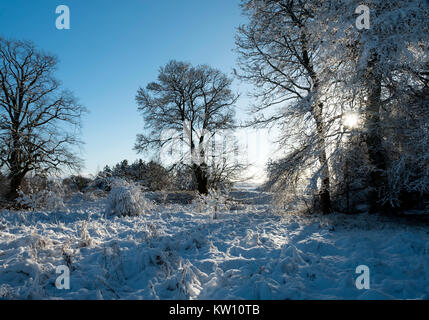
(317, 110)
(199, 166)
(325, 195)
(374, 141)
(200, 172)
(14, 184)
(17, 172)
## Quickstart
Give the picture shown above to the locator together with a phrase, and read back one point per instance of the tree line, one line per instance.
(351, 106)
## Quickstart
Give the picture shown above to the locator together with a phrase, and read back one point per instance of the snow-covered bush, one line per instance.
(183, 178)
(54, 201)
(102, 181)
(212, 203)
(7, 292)
(126, 199)
(51, 198)
(85, 237)
(77, 183)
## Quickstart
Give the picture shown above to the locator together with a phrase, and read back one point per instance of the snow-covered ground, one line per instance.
(181, 252)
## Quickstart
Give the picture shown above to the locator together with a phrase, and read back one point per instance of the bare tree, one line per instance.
(38, 120)
(197, 102)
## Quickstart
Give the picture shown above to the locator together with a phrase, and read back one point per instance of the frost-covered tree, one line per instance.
(38, 120)
(383, 74)
(376, 76)
(279, 55)
(194, 102)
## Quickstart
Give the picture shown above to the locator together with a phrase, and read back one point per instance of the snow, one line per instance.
(182, 252)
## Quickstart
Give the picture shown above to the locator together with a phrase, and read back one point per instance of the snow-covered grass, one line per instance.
(178, 252)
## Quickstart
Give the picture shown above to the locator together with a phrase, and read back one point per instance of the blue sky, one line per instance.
(113, 47)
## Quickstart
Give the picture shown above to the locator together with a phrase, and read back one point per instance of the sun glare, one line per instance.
(351, 120)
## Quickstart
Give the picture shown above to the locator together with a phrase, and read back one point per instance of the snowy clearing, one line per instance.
(178, 252)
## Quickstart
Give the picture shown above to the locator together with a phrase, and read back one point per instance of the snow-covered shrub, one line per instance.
(113, 264)
(84, 235)
(212, 203)
(126, 199)
(30, 200)
(102, 182)
(188, 284)
(77, 183)
(183, 178)
(54, 201)
(7, 292)
(51, 198)
(153, 176)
